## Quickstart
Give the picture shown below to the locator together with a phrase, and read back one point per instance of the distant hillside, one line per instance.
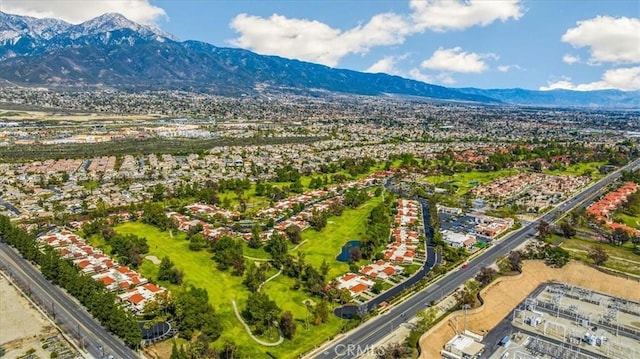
(601, 98)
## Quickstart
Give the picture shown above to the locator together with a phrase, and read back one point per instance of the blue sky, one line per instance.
(535, 44)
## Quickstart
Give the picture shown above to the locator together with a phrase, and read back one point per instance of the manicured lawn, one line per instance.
(255, 253)
(579, 169)
(464, 181)
(631, 221)
(280, 290)
(327, 243)
(200, 271)
(222, 287)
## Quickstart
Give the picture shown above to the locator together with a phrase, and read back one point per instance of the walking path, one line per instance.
(246, 327)
(270, 278)
(258, 259)
(298, 246)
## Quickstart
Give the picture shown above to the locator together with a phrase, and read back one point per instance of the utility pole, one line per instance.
(465, 307)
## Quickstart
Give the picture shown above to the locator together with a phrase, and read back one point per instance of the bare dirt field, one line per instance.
(504, 294)
(21, 115)
(21, 326)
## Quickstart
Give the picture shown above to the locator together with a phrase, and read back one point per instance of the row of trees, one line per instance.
(98, 301)
(378, 228)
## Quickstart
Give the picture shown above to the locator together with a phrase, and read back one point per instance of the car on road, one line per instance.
(465, 265)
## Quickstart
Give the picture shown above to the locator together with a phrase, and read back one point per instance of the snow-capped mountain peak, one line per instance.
(41, 31)
(115, 21)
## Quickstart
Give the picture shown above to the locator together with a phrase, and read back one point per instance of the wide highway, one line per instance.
(363, 339)
(95, 339)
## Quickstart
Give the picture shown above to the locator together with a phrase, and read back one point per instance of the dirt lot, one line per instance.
(503, 295)
(21, 326)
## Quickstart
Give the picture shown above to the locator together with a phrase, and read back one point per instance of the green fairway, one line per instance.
(222, 287)
(280, 290)
(200, 271)
(631, 221)
(465, 181)
(579, 169)
(327, 243)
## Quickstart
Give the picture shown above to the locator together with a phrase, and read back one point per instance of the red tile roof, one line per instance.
(358, 288)
(107, 281)
(136, 299)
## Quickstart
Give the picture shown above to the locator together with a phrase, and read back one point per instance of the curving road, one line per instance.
(362, 339)
(66, 309)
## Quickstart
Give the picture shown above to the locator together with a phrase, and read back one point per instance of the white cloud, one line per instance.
(446, 79)
(443, 78)
(626, 79)
(442, 15)
(387, 65)
(570, 59)
(457, 60)
(507, 68)
(79, 11)
(615, 40)
(315, 41)
(417, 75)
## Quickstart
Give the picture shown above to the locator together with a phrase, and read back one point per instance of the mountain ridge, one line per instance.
(113, 51)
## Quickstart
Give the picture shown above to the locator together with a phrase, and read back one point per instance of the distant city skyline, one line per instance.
(579, 45)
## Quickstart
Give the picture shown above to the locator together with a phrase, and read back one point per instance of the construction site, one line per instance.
(564, 321)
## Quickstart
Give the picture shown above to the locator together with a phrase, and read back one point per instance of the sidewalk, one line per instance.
(400, 334)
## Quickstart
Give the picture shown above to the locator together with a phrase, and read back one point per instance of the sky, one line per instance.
(532, 44)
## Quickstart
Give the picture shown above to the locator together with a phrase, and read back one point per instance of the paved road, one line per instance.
(65, 308)
(10, 206)
(363, 338)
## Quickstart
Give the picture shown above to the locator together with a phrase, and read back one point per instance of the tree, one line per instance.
(598, 254)
(619, 237)
(278, 248)
(229, 253)
(293, 232)
(355, 254)
(255, 240)
(393, 351)
(230, 351)
(164, 272)
(426, 319)
(129, 248)
(568, 231)
(178, 353)
(556, 256)
(254, 277)
(467, 296)
(197, 242)
(287, 325)
(194, 313)
(318, 219)
(544, 229)
(168, 272)
(377, 287)
(515, 261)
(486, 275)
(321, 312)
(261, 311)
(324, 268)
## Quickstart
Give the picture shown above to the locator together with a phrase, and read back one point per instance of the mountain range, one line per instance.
(111, 51)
